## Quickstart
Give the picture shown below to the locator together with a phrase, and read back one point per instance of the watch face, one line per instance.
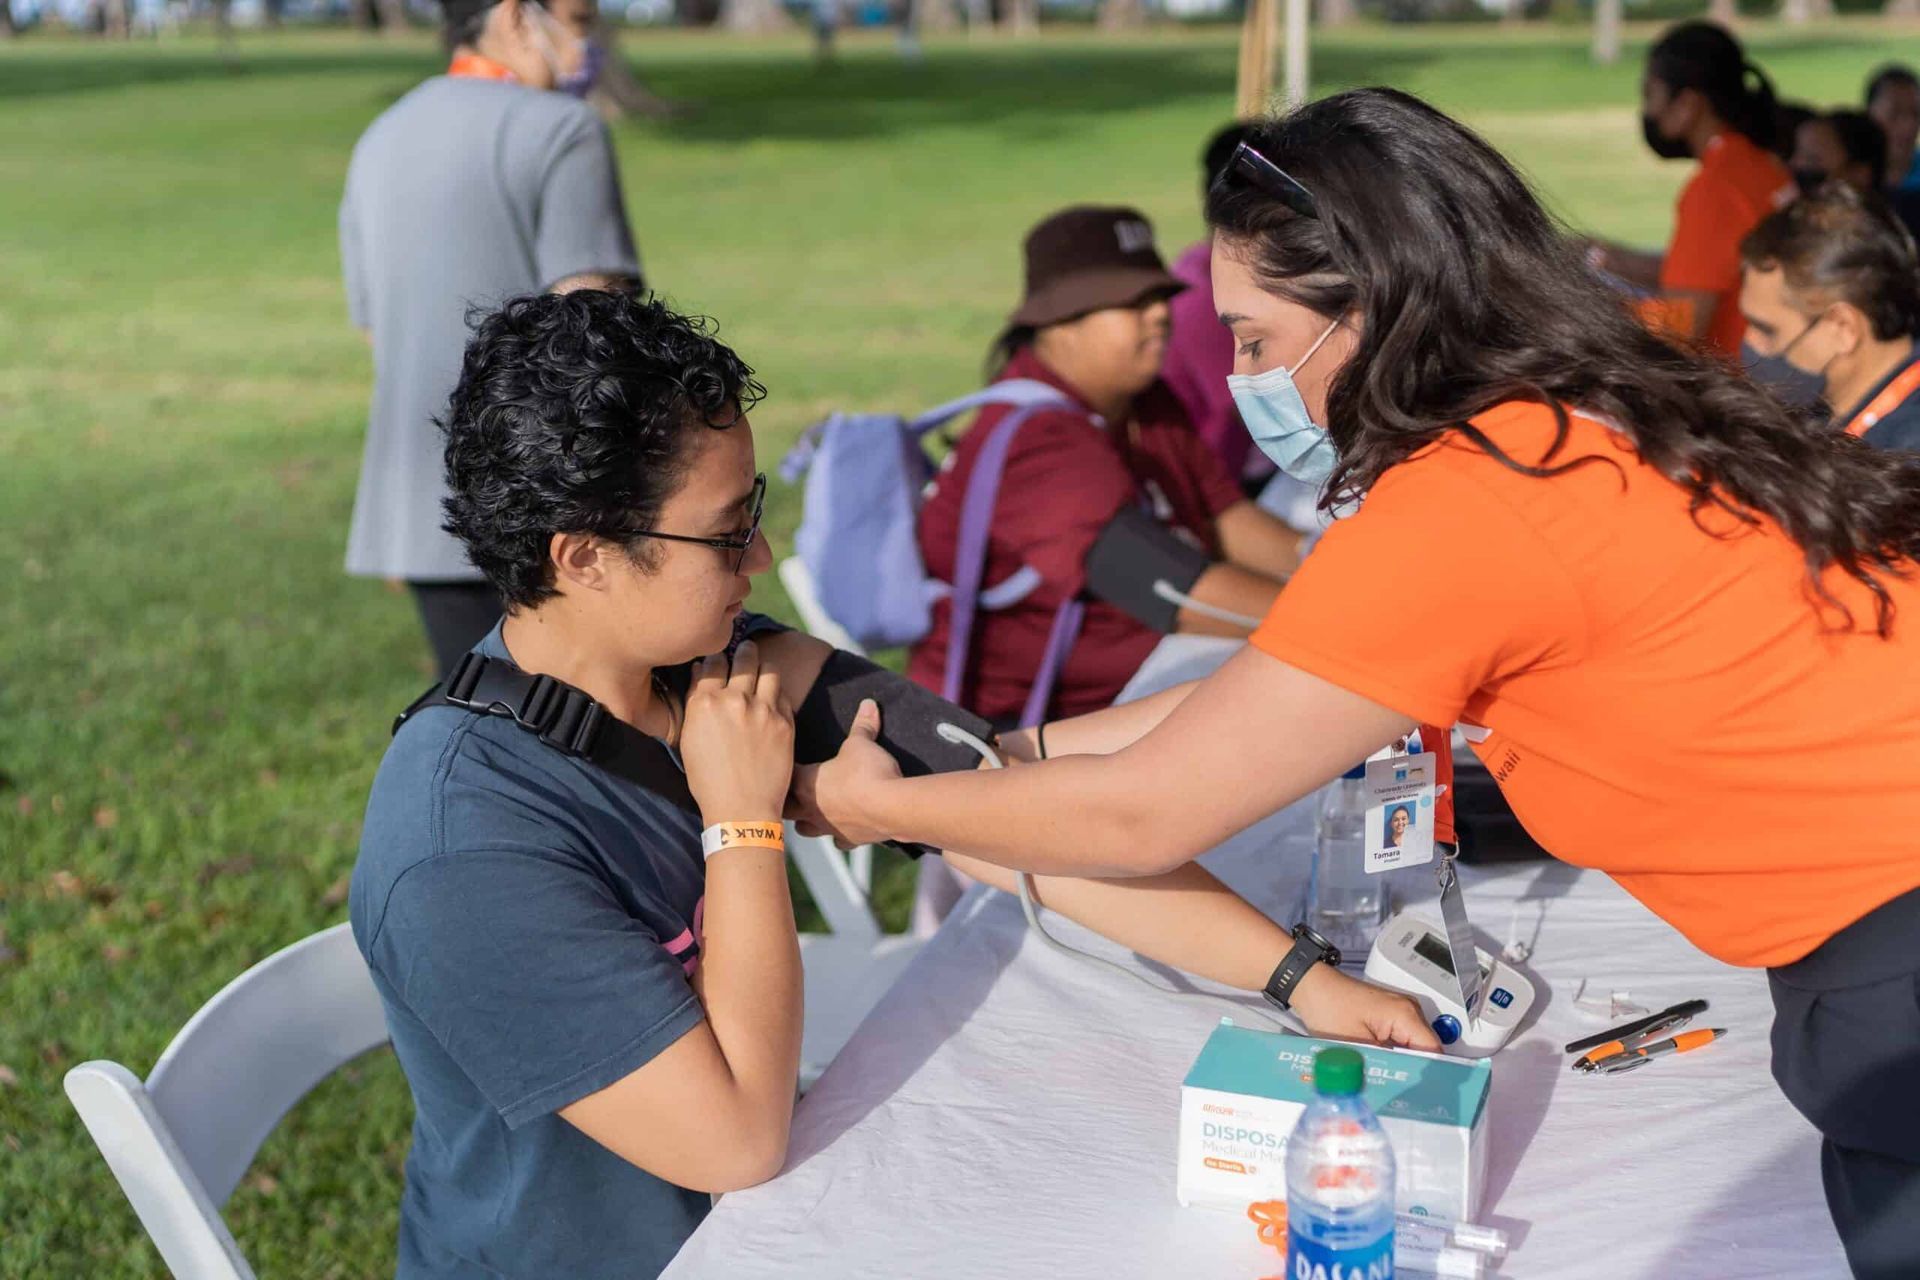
(1303, 932)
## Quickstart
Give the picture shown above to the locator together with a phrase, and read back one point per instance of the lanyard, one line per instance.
(1891, 397)
(471, 66)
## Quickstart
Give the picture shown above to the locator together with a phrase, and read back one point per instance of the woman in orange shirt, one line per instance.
(1702, 99)
(1682, 629)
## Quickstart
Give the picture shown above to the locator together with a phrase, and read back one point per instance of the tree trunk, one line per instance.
(7, 28)
(619, 92)
(1122, 15)
(1336, 13)
(1800, 12)
(361, 14)
(928, 16)
(117, 19)
(752, 16)
(1020, 17)
(393, 16)
(1253, 87)
(1901, 9)
(1724, 12)
(1606, 32)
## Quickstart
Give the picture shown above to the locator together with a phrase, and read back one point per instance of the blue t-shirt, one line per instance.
(531, 922)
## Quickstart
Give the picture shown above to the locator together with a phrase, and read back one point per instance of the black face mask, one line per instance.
(1661, 145)
(1790, 384)
(1809, 180)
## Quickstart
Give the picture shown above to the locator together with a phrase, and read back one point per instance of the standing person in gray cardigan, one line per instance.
(491, 181)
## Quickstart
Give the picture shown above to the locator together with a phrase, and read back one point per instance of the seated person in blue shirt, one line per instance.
(599, 1027)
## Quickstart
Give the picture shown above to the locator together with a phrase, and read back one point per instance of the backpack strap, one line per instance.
(1060, 638)
(970, 561)
(564, 718)
(1014, 393)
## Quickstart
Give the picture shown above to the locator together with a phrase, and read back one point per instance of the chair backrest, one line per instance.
(835, 886)
(798, 580)
(180, 1143)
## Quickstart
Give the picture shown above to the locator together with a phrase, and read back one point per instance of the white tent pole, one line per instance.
(1297, 14)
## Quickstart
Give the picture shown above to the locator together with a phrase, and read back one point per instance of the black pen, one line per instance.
(1684, 1010)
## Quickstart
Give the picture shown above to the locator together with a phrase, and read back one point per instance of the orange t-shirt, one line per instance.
(1660, 703)
(1736, 186)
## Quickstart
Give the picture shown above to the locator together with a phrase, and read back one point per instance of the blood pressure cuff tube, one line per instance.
(909, 716)
(1134, 552)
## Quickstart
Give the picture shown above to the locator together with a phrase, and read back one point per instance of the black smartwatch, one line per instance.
(1309, 949)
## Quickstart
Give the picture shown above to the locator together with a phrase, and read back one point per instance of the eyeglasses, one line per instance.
(1250, 166)
(738, 545)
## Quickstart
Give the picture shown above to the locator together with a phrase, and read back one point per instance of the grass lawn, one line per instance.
(193, 697)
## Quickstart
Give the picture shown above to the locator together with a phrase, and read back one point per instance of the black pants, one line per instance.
(1846, 1051)
(455, 615)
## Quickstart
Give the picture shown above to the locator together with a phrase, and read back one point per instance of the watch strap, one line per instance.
(1308, 950)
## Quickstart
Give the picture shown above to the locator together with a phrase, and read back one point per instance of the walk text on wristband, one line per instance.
(743, 835)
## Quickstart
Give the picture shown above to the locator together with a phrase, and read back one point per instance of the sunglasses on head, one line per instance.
(1249, 166)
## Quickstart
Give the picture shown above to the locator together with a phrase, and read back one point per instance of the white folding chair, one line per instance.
(937, 887)
(849, 969)
(180, 1142)
(798, 580)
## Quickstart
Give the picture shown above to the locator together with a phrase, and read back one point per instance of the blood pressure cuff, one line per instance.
(1134, 552)
(909, 717)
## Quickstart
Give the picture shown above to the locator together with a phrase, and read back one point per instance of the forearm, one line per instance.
(1230, 587)
(1184, 918)
(1064, 817)
(1253, 539)
(749, 982)
(1097, 732)
(1636, 266)
(1251, 738)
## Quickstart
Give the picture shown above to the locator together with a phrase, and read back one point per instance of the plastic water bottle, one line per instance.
(1340, 1187)
(1345, 905)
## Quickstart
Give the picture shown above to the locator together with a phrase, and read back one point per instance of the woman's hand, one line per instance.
(737, 743)
(1333, 1004)
(841, 792)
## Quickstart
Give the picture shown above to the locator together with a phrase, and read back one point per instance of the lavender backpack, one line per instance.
(865, 477)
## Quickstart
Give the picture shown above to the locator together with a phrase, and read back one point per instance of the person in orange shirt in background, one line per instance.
(1701, 98)
(1681, 628)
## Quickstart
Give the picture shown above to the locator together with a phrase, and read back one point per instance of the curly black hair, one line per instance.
(573, 414)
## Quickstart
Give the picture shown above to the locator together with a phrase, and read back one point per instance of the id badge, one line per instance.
(1400, 808)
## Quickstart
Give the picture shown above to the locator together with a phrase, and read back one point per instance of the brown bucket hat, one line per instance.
(1089, 258)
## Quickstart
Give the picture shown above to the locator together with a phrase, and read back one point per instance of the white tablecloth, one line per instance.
(1010, 1112)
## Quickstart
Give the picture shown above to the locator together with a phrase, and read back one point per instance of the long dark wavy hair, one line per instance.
(1465, 294)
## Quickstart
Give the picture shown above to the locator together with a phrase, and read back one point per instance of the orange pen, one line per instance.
(1685, 1042)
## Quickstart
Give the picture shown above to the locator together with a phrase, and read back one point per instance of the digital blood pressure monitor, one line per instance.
(1411, 956)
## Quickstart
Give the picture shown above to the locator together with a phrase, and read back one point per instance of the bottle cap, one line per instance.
(1338, 1073)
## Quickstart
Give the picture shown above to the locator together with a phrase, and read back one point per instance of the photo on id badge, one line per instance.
(1399, 818)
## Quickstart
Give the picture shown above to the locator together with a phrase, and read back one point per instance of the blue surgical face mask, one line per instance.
(580, 82)
(1278, 420)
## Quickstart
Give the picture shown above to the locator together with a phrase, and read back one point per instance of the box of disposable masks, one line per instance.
(1247, 1088)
